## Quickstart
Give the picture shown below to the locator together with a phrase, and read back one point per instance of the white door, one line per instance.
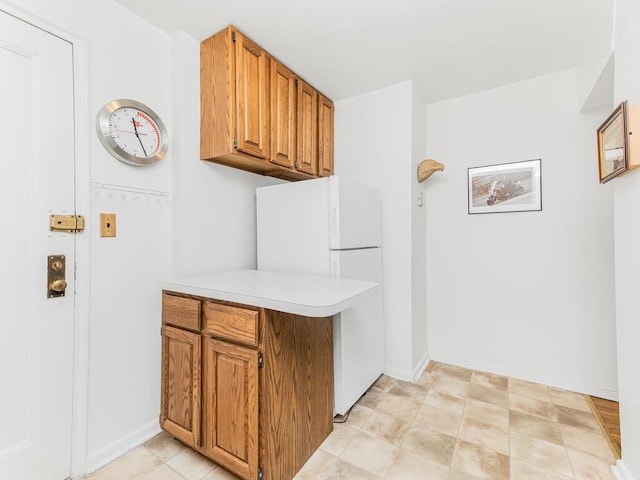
(36, 179)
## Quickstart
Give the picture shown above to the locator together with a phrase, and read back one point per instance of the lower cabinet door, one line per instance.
(181, 361)
(230, 403)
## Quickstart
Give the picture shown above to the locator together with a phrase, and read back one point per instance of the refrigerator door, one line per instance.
(358, 332)
(354, 215)
(293, 227)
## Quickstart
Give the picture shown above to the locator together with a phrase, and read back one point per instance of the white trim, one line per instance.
(620, 471)
(83, 260)
(123, 445)
(422, 365)
(596, 391)
(405, 375)
(408, 375)
(82, 245)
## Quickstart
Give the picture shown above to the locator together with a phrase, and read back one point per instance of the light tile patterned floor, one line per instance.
(454, 424)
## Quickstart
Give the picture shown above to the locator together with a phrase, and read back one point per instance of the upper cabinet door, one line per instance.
(307, 160)
(252, 95)
(258, 115)
(283, 115)
(325, 136)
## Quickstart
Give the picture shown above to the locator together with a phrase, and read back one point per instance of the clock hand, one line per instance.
(135, 129)
(129, 131)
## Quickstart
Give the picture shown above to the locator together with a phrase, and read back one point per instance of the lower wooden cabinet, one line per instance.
(230, 401)
(248, 387)
(181, 405)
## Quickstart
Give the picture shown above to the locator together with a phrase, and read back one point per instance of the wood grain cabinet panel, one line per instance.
(230, 378)
(325, 136)
(283, 115)
(252, 95)
(231, 323)
(307, 129)
(258, 115)
(259, 409)
(181, 363)
(181, 312)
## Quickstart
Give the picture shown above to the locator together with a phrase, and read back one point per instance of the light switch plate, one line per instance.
(107, 224)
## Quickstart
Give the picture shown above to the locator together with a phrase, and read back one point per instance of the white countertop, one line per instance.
(300, 294)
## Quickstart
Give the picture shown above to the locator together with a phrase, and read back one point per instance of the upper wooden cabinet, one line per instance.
(283, 115)
(252, 96)
(325, 136)
(258, 115)
(307, 160)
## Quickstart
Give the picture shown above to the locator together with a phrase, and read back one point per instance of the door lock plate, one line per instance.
(66, 223)
(56, 283)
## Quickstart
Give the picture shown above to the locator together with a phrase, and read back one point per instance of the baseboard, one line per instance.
(112, 451)
(422, 364)
(400, 374)
(532, 377)
(620, 471)
(408, 375)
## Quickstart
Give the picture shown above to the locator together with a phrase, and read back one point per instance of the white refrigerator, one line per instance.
(331, 226)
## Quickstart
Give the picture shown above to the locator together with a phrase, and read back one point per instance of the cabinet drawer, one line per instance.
(233, 323)
(180, 311)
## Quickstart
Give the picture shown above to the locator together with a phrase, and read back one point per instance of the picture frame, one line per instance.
(506, 187)
(613, 150)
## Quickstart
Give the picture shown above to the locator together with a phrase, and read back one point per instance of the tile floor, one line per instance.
(454, 424)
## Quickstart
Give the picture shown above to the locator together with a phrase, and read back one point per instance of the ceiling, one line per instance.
(449, 48)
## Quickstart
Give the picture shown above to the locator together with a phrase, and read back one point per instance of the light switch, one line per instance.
(107, 224)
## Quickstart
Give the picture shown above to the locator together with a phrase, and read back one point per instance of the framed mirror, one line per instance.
(613, 157)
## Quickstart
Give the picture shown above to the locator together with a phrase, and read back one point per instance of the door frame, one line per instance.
(82, 243)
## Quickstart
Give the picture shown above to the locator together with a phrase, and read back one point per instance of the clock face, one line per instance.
(135, 132)
(132, 132)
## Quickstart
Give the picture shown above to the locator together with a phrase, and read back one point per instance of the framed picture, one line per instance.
(613, 158)
(508, 187)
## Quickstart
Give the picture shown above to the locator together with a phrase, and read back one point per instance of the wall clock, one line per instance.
(132, 132)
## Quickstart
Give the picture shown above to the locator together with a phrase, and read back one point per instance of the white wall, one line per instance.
(214, 210)
(627, 239)
(524, 294)
(124, 300)
(373, 144)
(418, 237)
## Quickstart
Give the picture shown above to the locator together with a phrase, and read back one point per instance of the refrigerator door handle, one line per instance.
(334, 226)
(335, 268)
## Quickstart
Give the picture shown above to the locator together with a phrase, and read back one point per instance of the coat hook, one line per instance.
(427, 168)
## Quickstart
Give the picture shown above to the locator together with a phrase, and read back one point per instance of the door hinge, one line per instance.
(66, 223)
(235, 143)
(295, 82)
(260, 473)
(260, 360)
(233, 37)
